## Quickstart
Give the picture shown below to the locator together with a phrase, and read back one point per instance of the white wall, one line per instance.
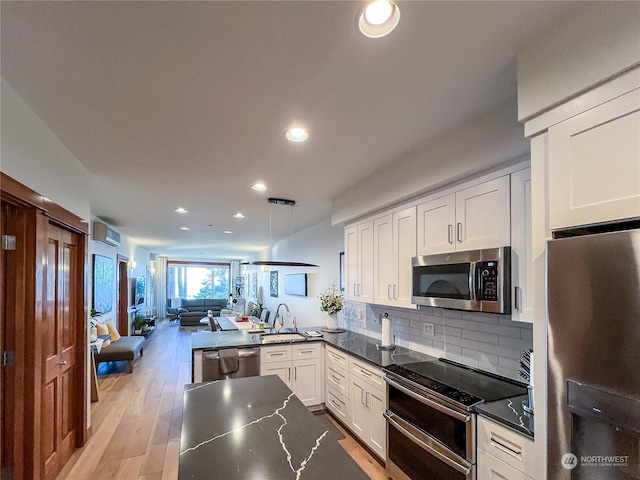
(35, 157)
(599, 43)
(486, 141)
(319, 244)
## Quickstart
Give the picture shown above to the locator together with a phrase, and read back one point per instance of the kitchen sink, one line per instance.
(281, 337)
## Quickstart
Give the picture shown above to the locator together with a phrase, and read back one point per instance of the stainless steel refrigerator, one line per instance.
(593, 372)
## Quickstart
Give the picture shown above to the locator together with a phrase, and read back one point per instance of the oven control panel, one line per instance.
(454, 394)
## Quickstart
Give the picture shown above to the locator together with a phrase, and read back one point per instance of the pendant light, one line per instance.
(275, 263)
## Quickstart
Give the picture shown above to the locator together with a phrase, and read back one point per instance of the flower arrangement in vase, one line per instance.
(331, 302)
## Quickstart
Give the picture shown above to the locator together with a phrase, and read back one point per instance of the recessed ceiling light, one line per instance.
(181, 210)
(379, 18)
(185, 228)
(227, 231)
(260, 187)
(296, 134)
(238, 215)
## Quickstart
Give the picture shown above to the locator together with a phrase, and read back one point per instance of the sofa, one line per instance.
(192, 310)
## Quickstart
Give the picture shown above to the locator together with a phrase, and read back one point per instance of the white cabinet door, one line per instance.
(483, 215)
(365, 262)
(404, 248)
(358, 411)
(376, 402)
(383, 260)
(337, 403)
(358, 241)
(307, 381)
(282, 369)
(351, 262)
(594, 164)
(436, 220)
(521, 238)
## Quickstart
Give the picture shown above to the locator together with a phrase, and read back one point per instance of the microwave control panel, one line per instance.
(487, 273)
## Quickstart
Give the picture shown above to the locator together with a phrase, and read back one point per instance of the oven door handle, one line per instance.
(426, 401)
(432, 447)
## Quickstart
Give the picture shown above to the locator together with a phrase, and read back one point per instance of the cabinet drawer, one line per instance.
(338, 405)
(336, 358)
(490, 468)
(275, 353)
(367, 373)
(306, 350)
(512, 448)
(338, 380)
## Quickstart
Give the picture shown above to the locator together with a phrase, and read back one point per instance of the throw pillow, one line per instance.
(115, 336)
(103, 330)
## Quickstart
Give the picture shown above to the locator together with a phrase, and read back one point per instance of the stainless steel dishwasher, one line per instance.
(248, 364)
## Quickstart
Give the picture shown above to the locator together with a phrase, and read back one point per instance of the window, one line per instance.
(197, 280)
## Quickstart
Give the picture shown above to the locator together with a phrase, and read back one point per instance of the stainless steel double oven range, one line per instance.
(431, 426)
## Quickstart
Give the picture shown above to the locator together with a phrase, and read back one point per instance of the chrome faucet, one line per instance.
(281, 323)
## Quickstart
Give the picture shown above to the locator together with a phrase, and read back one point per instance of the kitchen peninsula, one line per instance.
(256, 428)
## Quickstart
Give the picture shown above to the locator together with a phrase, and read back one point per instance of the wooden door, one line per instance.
(59, 352)
(123, 295)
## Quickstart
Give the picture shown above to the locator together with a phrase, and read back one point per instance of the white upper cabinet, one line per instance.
(474, 218)
(394, 245)
(359, 262)
(594, 164)
(521, 247)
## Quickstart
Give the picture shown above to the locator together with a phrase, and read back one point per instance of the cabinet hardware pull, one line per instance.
(510, 449)
(335, 378)
(295, 373)
(516, 295)
(306, 351)
(450, 234)
(459, 232)
(388, 290)
(366, 400)
(334, 402)
(289, 373)
(365, 373)
(277, 354)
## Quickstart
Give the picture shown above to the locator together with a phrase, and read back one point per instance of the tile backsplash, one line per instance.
(486, 341)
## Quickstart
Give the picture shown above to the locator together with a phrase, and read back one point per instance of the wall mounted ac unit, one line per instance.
(102, 233)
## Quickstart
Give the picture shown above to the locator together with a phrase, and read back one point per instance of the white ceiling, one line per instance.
(172, 104)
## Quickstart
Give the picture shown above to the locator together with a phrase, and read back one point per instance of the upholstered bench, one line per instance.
(123, 349)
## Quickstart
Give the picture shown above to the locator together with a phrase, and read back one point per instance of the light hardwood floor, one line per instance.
(136, 424)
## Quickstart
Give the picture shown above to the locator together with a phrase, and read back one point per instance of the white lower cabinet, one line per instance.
(302, 371)
(356, 395)
(367, 406)
(502, 453)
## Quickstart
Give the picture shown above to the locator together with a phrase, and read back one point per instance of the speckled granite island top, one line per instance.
(509, 412)
(256, 428)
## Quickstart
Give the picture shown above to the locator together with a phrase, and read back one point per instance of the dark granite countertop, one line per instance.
(256, 428)
(509, 412)
(362, 346)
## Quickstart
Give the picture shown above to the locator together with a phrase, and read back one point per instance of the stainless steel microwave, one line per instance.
(476, 280)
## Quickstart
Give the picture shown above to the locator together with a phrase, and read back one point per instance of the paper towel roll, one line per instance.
(386, 331)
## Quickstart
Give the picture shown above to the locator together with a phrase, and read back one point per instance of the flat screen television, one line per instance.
(296, 284)
(139, 294)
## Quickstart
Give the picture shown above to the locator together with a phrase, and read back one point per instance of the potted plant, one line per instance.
(138, 323)
(256, 311)
(331, 302)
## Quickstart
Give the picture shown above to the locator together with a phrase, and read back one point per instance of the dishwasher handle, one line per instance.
(248, 352)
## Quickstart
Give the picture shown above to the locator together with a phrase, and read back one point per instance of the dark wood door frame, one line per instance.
(123, 294)
(34, 213)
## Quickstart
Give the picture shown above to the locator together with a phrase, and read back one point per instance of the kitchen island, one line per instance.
(256, 428)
